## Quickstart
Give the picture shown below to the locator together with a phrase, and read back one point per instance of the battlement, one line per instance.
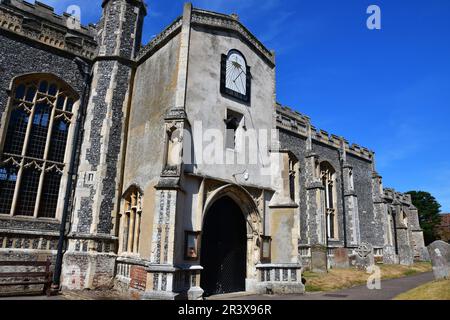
(392, 195)
(40, 23)
(296, 122)
(292, 120)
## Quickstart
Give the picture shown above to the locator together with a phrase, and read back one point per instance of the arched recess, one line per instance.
(254, 224)
(130, 217)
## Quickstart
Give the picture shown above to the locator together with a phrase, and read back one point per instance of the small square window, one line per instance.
(232, 122)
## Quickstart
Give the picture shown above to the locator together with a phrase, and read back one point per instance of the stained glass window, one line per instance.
(35, 143)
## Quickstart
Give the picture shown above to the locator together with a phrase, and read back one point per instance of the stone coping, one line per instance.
(279, 266)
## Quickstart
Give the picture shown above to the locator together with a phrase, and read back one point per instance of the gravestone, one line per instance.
(318, 258)
(364, 256)
(440, 258)
(341, 259)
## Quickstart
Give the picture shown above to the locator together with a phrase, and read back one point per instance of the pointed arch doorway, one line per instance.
(224, 248)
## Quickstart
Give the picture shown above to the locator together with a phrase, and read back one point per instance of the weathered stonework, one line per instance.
(99, 183)
(137, 212)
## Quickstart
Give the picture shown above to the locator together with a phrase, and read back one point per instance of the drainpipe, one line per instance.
(86, 72)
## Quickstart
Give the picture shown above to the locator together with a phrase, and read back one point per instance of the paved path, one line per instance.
(389, 290)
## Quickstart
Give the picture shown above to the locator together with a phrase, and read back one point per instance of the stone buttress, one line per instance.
(315, 209)
(162, 269)
(351, 207)
(92, 241)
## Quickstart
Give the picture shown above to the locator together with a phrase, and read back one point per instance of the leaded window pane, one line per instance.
(332, 235)
(50, 192)
(43, 87)
(28, 192)
(39, 130)
(8, 178)
(53, 89)
(31, 92)
(58, 141)
(330, 196)
(60, 102)
(69, 106)
(20, 92)
(17, 129)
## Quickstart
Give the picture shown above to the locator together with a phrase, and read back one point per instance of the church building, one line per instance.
(169, 170)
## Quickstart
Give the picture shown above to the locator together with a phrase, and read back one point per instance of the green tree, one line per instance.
(429, 214)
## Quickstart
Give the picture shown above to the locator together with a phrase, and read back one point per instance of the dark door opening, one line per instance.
(224, 249)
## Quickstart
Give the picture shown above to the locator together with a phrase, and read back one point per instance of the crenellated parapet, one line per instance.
(297, 123)
(392, 196)
(292, 120)
(40, 23)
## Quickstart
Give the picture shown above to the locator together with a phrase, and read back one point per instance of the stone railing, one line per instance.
(279, 272)
(135, 273)
(304, 252)
(280, 279)
(187, 277)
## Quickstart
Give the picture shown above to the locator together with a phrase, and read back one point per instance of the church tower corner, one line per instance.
(90, 258)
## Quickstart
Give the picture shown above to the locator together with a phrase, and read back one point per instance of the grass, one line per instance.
(337, 279)
(437, 290)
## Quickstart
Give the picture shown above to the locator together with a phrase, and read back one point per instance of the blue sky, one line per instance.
(388, 89)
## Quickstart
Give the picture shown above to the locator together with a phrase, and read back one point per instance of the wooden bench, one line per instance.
(26, 278)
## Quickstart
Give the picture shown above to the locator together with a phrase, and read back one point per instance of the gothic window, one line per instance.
(328, 177)
(131, 222)
(293, 178)
(35, 141)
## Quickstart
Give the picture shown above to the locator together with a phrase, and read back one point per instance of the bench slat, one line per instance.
(19, 278)
(24, 263)
(23, 274)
